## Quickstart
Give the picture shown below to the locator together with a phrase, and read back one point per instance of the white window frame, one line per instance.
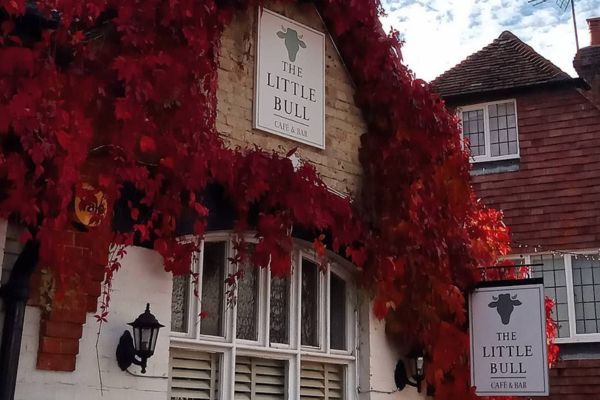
(567, 256)
(229, 346)
(486, 124)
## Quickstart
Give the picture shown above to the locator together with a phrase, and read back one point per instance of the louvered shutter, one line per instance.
(194, 375)
(321, 381)
(259, 379)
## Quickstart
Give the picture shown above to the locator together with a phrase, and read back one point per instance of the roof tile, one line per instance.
(505, 63)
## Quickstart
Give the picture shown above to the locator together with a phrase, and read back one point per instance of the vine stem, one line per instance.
(116, 254)
(98, 358)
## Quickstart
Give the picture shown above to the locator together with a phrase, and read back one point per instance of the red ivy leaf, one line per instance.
(147, 144)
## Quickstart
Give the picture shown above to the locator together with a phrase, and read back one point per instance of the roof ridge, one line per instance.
(540, 61)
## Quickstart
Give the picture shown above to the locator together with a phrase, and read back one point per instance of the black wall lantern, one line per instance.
(143, 343)
(418, 374)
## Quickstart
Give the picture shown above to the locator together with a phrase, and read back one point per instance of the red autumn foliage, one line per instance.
(133, 85)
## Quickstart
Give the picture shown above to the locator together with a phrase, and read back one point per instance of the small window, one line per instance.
(310, 304)
(179, 303)
(213, 277)
(337, 312)
(586, 288)
(280, 310)
(552, 271)
(490, 130)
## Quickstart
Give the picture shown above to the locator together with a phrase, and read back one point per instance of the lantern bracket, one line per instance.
(126, 353)
(401, 377)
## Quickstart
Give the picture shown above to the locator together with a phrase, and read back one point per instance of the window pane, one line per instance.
(213, 276)
(586, 287)
(180, 303)
(280, 310)
(473, 130)
(553, 272)
(247, 302)
(337, 312)
(310, 304)
(503, 133)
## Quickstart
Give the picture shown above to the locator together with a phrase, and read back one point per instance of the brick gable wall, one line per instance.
(575, 380)
(553, 200)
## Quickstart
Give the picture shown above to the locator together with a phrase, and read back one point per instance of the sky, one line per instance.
(439, 34)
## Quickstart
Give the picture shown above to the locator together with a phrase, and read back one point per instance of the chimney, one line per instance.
(594, 24)
(587, 59)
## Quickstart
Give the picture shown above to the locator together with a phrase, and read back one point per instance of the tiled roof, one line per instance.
(505, 63)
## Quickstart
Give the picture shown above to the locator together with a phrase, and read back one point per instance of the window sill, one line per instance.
(494, 166)
(578, 339)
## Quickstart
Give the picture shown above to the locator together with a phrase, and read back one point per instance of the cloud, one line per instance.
(439, 34)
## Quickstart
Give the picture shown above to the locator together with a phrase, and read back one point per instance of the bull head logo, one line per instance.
(293, 41)
(504, 304)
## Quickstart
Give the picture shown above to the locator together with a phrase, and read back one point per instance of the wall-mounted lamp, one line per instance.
(143, 343)
(418, 374)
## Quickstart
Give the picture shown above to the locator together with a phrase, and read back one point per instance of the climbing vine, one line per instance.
(122, 95)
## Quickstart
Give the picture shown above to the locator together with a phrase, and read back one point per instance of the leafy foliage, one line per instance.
(124, 92)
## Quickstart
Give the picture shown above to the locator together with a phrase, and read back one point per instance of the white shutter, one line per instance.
(259, 379)
(194, 375)
(321, 381)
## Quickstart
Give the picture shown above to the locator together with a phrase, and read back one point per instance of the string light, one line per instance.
(534, 249)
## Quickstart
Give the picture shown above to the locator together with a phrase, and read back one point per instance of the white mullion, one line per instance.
(228, 381)
(198, 303)
(570, 296)
(486, 132)
(213, 374)
(233, 333)
(264, 306)
(327, 312)
(295, 378)
(321, 317)
(294, 303)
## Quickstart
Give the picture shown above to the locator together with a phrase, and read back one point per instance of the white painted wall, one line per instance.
(377, 360)
(142, 279)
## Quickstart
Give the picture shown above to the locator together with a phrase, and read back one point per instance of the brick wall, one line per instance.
(552, 200)
(575, 380)
(338, 164)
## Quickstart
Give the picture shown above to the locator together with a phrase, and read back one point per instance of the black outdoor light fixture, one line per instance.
(143, 343)
(401, 376)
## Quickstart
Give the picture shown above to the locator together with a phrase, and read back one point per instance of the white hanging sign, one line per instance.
(290, 79)
(508, 340)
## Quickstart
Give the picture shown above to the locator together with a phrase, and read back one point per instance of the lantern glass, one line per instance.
(419, 361)
(145, 333)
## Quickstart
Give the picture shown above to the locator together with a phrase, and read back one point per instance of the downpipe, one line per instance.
(15, 294)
